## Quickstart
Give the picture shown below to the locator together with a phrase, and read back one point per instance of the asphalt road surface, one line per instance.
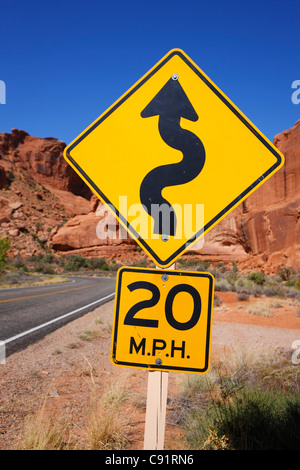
(29, 313)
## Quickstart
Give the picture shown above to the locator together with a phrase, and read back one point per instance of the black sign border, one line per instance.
(117, 310)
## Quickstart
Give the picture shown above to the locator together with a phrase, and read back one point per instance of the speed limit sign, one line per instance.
(162, 320)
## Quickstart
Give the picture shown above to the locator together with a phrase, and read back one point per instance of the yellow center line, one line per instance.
(49, 293)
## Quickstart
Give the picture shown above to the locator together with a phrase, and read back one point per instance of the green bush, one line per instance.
(286, 273)
(234, 267)
(49, 258)
(242, 296)
(254, 419)
(75, 262)
(260, 420)
(275, 291)
(11, 177)
(258, 278)
(48, 269)
(294, 282)
(297, 282)
(217, 301)
(96, 263)
(19, 263)
(4, 247)
(105, 267)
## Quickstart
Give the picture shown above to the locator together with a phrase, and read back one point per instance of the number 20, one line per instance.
(131, 319)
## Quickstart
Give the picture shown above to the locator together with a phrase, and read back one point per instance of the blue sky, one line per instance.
(65, 62)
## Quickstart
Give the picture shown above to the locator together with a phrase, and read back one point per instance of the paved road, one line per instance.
(29, 313)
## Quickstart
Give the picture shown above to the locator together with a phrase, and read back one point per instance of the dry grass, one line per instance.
(49, 280)
(89, 335)
(106, 428)
(261, 309)
(42, 432)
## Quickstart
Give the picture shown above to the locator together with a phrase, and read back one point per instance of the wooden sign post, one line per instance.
(156, 408)
(162, 323)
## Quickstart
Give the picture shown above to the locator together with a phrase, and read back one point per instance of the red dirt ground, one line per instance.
(63, 371)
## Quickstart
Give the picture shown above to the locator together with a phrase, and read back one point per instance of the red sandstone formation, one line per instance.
(40, 159)
(263, 232)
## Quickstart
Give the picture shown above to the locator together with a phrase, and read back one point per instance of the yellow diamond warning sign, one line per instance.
(163, 320)
(172, 157)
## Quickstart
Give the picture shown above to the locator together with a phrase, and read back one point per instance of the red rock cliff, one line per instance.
(263, 232)
(266, 226)
(42, 159)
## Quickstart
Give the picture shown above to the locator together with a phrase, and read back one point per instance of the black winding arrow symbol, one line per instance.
(171, 104)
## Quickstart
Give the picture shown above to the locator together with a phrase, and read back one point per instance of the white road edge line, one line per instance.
(13, 338)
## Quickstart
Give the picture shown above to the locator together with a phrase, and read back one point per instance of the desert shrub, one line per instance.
(297, 282)
(257, 291)
(260, 309)
(232, 278)
(242, 296)
(75, 262)
(234, 267)
(39, 265)
(45, 434)
(96, 263)
(105, 267)
(188, 263)
(48, 269)
(252, 419)
(217, 301)
(221, 267)
(19, 263)
(203, 266)
(4, 247)
(275, 291)
(258, 278)
(11, 177)
(35, 258)
(286, 273)
(115, 266)
(49, 258)
(222, 286)
(234, 406)
(12, 278)
(260, 420)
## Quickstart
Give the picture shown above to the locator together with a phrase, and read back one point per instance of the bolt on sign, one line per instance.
(162, 320)
(172, 157)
